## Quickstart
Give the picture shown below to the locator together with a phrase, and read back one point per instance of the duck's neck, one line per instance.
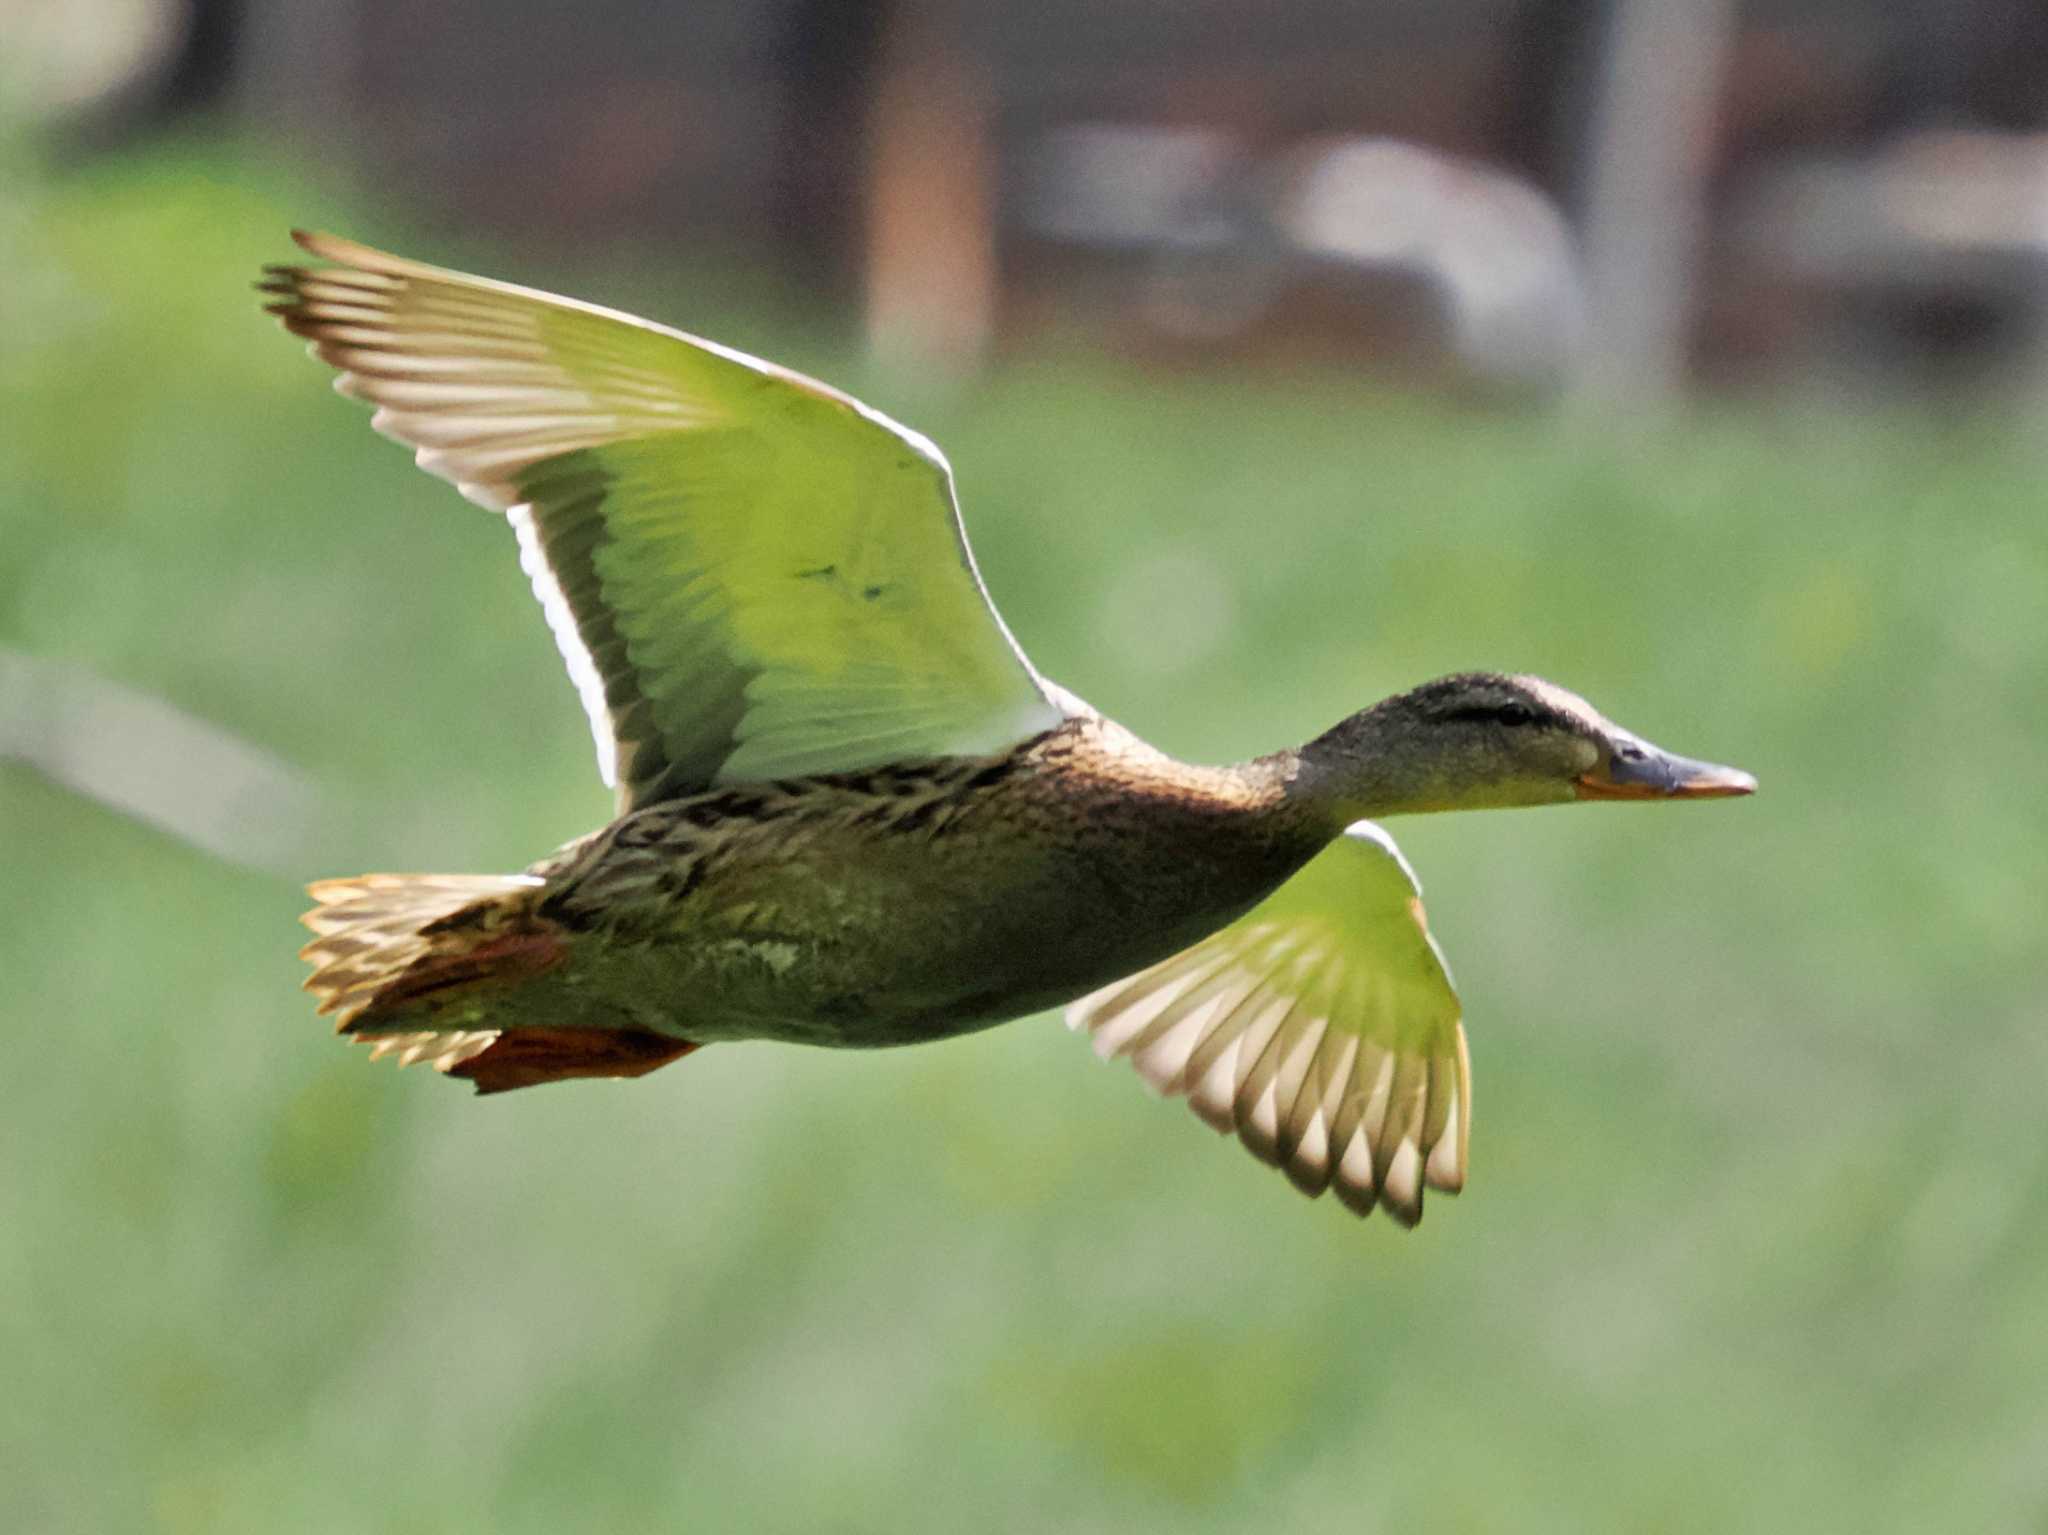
(1367, 766)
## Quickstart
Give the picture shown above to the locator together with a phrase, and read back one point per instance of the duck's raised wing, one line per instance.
(749, 574)
(1321, 1027)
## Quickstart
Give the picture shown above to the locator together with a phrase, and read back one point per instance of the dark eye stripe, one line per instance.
(1494, 714)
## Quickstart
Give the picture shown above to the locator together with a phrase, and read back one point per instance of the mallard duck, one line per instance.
(849, 811)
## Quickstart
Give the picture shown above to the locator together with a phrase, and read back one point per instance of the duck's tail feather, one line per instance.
(391, 947)
(394, 950)
(411, 962)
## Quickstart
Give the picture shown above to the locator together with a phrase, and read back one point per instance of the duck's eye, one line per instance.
(1515, 714)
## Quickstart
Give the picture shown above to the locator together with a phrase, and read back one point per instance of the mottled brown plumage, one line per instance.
(874, 908)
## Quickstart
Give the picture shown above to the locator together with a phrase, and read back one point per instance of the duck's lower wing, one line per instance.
(1322, 1028)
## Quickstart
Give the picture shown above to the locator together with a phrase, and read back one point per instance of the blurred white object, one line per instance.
(57, 56)
(1496, 250)
(1226, 235)
(1184, 200)
(1932, 251)
(1907, 209)
(1125, 184)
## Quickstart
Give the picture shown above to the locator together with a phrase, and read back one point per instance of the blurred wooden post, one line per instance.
(930, 267)
(1653, 130)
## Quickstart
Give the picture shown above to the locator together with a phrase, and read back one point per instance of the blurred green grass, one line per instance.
(1755, 1237)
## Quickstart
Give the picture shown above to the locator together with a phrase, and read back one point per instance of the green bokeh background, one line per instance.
(1755, 1233)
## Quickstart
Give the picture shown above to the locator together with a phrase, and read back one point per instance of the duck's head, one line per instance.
(1480, 740)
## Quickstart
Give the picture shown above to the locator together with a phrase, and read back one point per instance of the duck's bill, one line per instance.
(1653, 774)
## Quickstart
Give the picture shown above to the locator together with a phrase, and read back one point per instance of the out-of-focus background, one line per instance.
(1689, 352)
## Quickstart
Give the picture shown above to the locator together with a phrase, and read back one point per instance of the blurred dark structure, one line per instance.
(1501, 192)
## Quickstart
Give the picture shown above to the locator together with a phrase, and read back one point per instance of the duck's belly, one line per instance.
(840, 940)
